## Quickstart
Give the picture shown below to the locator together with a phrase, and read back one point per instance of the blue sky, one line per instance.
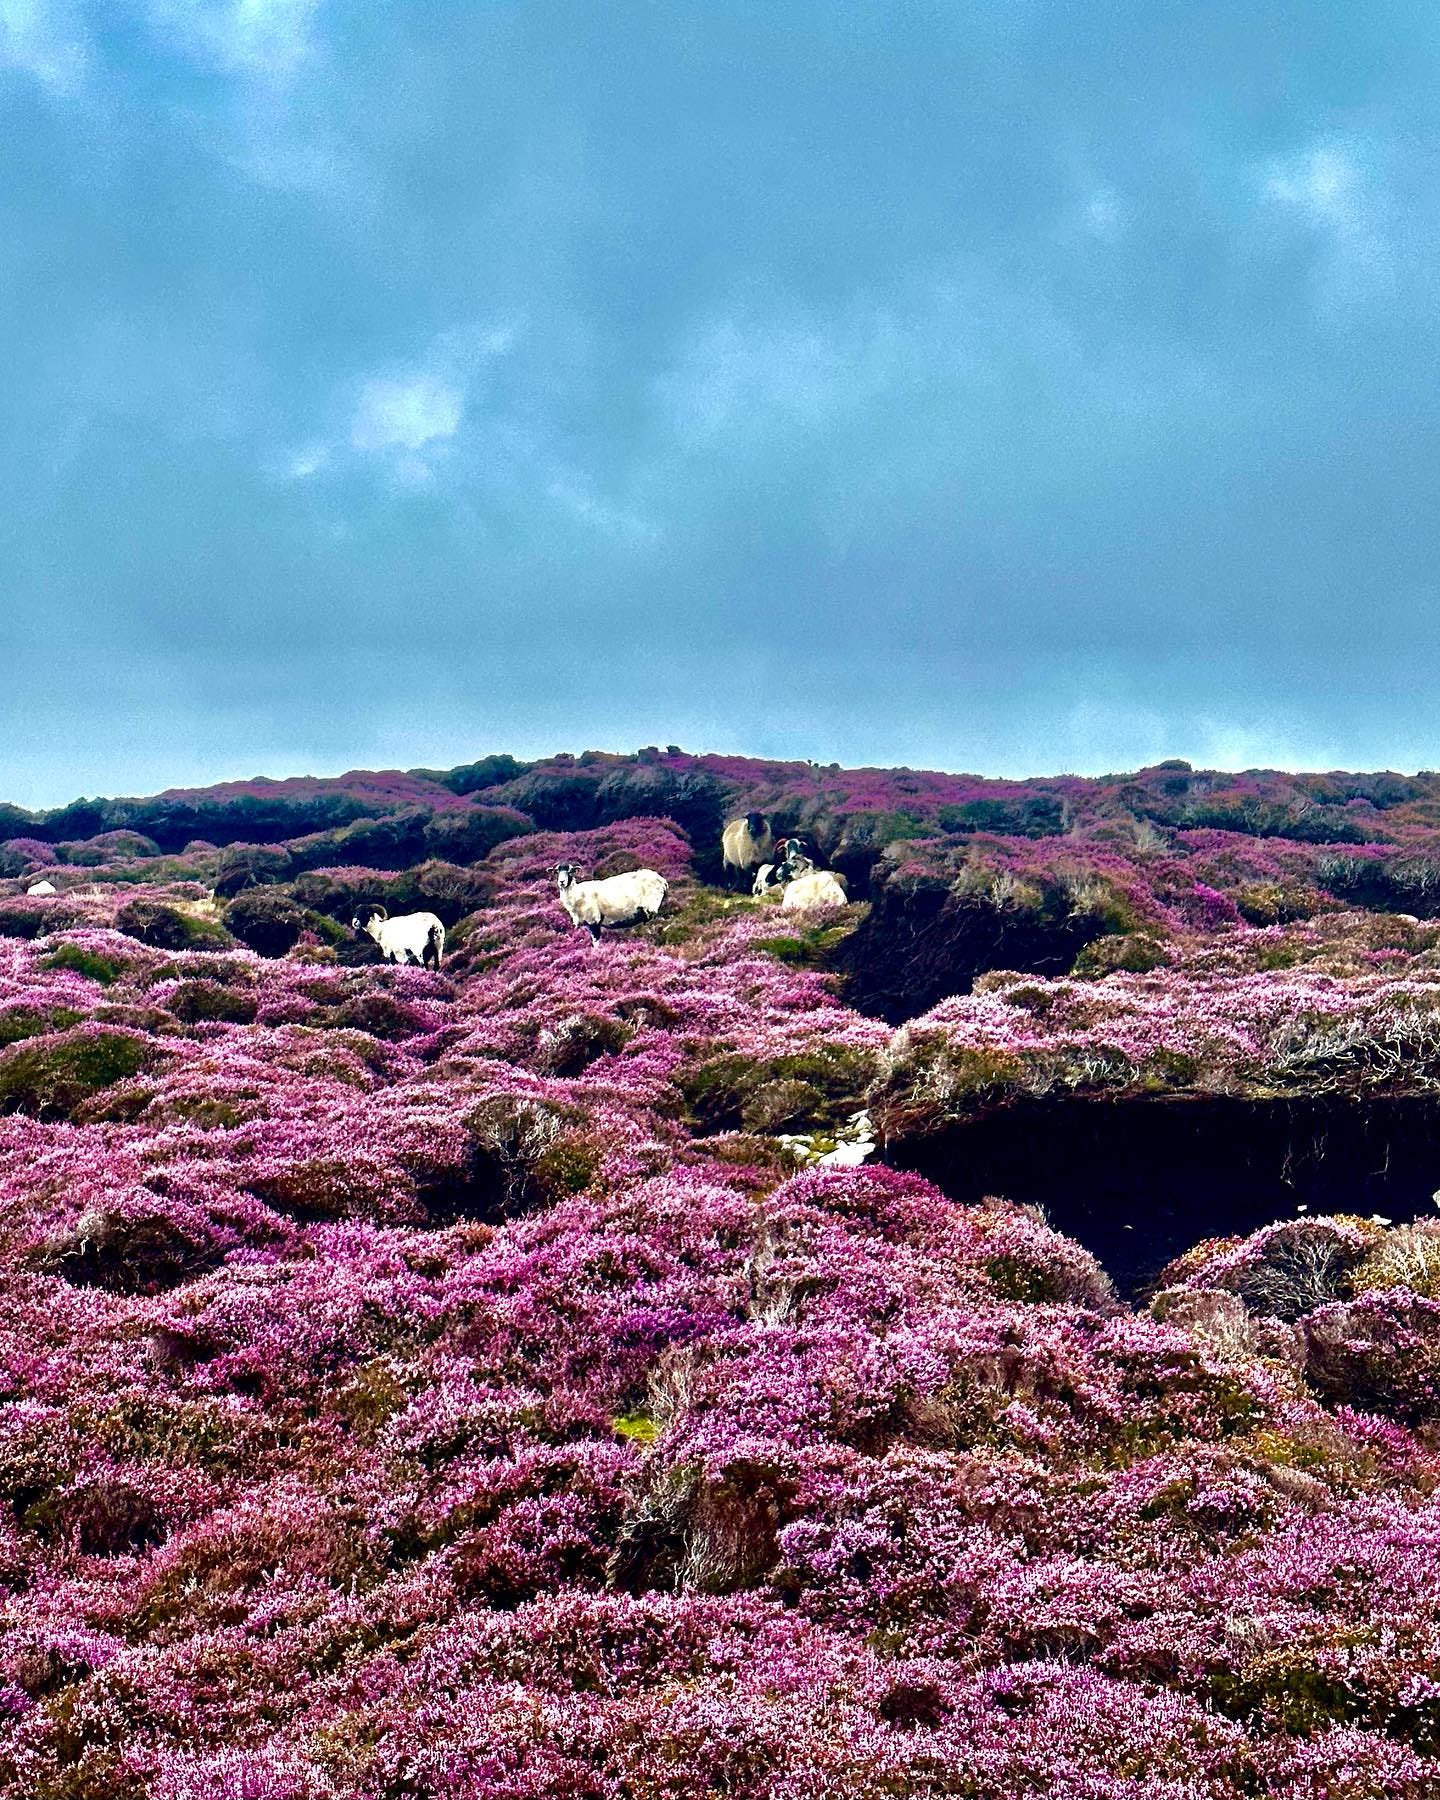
(1013, 386)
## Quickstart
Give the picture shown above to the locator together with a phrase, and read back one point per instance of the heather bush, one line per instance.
(48, 1076)
(167, 927)
(270, 923)
(421, 1384)
(468, 835)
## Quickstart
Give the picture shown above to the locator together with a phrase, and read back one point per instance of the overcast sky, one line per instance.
(1012, 386)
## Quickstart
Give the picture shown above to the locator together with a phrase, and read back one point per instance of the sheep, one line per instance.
(746, 843)
(790, 860)
(617, 900)
(412, 938)
(804, 884)
(816, 887)
(43, 887)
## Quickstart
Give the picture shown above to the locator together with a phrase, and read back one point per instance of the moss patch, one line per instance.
(49, 1079)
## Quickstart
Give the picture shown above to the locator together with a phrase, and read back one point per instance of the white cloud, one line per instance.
(267, 40)
(1103, 214)
(1324, 185)
(577, 499)
(402, 422)
(1331, 190)
(746, 371)
(406, 413)
(46, 42)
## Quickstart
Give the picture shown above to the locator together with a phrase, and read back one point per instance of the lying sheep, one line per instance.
(42, 887)
(805, 885)
(815, 887)
(412, 938)
(617, 900)
(790, 860)
(746, 843)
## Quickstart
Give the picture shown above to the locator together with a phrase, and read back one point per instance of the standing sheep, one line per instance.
(617, 900)
(746, 843)
(412, 938)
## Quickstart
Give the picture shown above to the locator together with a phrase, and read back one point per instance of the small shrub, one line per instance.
(104, 969)
(197, 1002)
(48, 1079)
(268, 921)
(1131, 953)
(166, 927)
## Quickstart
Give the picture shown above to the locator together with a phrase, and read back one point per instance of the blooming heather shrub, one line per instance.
(1287, 1270)
(1408, 1257)
(250, 865)
(467, 835)
(166, 927)
(440, 1385)
(1380, 1353)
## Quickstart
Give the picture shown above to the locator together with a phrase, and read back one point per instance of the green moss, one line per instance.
(703, 908)
(202, 1111)
(26, 1021)
(1277, 902)
(635, 1428)
(1034, 816)
(49, 1080)
(1017, 1278)
(1132, 952)
(808, 947)
(1172, 1068)
(166, 927)
(104, 969)
(197, 1002)
(734, 1091)
(1281, 956)
(567, 1167)
(372, 1397)
(1296, 1687)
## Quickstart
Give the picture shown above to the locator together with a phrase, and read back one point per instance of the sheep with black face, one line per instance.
(412, 938)
(746, 844)
(617, 900)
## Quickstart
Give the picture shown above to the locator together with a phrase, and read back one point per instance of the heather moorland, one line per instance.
(525, 1379)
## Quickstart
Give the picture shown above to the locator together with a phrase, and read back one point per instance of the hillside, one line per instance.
(475, 1383)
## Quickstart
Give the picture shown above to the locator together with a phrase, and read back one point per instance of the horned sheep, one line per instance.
(615, 900)
(412, 938)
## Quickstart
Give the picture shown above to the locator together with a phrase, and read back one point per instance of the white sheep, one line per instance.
(746, 843)
(790, 861)
(43, 887)
(815, 887)
(617, 900)
(412, 938)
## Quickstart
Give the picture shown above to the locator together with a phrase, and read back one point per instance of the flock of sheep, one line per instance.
(751, 852)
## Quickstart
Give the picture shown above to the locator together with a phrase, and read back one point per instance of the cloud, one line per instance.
(1104, 215)
(267, 40)
(574, 496)
(46, 42)
(1330, 190)
(405, 413)
(401, 422)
